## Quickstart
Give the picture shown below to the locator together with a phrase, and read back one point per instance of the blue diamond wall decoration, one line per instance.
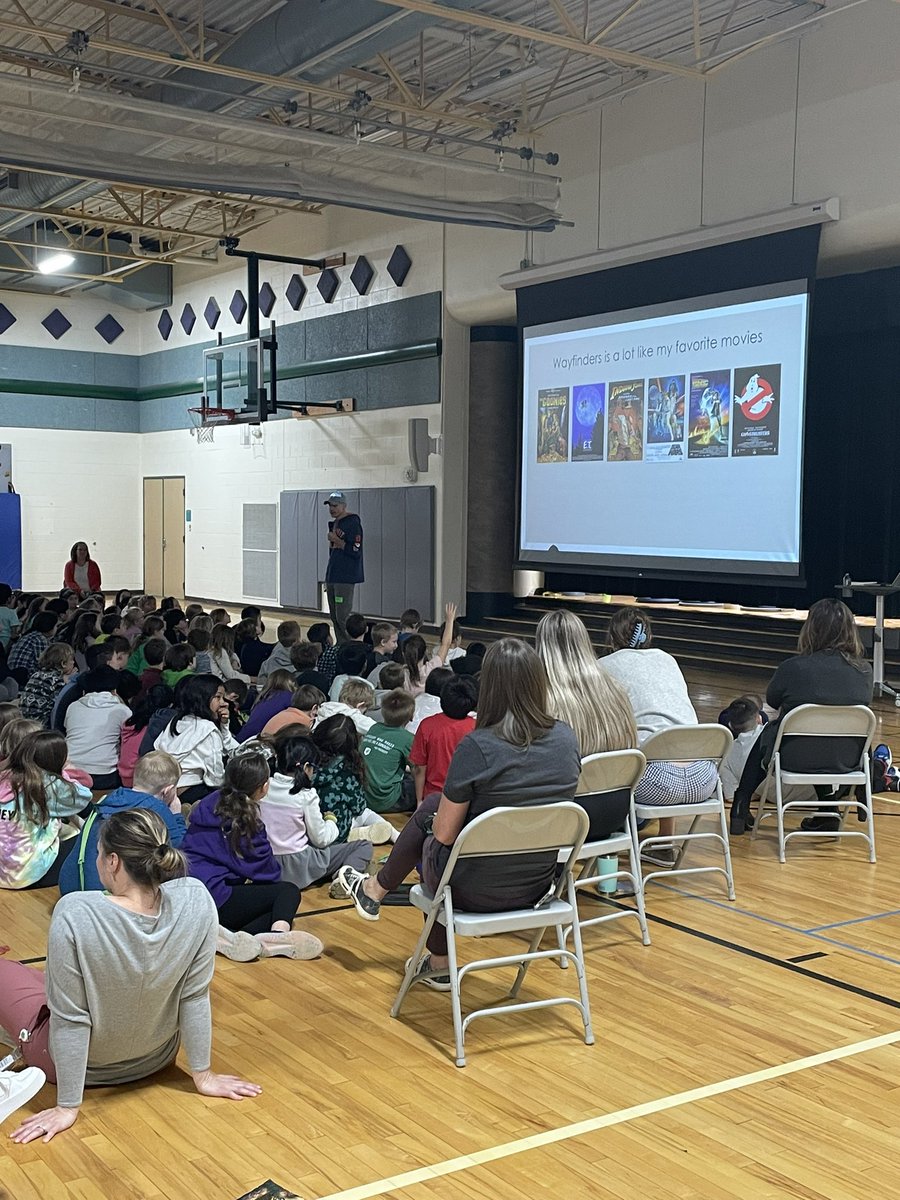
(295, 292)
(266, 299)
(328, 285)
(109, 329)
(7, 320)
(212, 312)
(188, 318)
(362, 274)
(238, 307)
(398, 266)
(56, 324)
(165, 324)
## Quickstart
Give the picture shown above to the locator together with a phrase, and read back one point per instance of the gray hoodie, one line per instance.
(278, 660)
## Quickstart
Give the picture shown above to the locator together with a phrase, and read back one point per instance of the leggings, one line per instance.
(255, 907)
(23, 1006)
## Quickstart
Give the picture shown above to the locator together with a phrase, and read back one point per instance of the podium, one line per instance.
(879, 591)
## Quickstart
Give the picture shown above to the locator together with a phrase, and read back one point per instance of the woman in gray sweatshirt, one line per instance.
(127, 979)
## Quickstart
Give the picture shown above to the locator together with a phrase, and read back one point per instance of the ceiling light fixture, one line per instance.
(55, 263)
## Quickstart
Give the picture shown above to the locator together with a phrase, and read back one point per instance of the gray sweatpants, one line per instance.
(319, 864)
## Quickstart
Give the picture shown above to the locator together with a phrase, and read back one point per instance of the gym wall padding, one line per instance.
(398, 549)
(11, 539)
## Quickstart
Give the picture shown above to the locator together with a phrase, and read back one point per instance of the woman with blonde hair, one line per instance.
(145, 945)
(581, 693)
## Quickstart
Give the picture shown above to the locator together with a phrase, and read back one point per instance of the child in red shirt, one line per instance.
(438, 736)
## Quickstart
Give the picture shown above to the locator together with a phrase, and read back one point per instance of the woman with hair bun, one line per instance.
(127, 982)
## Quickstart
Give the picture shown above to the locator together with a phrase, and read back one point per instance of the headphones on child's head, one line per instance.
(638, 635)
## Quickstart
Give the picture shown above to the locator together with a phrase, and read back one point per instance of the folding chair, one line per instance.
(503, 832)
(688, 743)
(806, 735)
(606, 791)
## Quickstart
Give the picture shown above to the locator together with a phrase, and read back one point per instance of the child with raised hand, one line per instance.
(229, 851)
(56, 666)
(415, 654)
(34, 799)
(304, 839)
(155, 777)
(341, 782)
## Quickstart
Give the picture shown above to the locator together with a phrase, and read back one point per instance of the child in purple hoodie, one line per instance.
(229, 852)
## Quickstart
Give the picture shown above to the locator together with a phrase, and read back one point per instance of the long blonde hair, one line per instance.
(581, 693)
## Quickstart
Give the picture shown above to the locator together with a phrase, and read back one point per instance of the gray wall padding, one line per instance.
(398, 549)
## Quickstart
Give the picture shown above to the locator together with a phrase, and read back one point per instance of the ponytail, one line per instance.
(140, 839)
(413, 651)
(245, 774)
(293, 753)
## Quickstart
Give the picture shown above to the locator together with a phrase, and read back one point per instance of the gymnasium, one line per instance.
(448, 482)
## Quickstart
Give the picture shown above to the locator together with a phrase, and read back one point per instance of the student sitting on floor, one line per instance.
(154, 627)
(154, 788)
(390, 677)
(198, 640)
(219, 616)
(132, 625)
(438, 736)
(56, 667)
(34, 799)
(24, 656)
(280, 658)
(197, 736)
(236, 693)
(302, 710)
(146, 944)
(155, 656)
(384, 642)
(356, 698)
(352, 663)
(341, 782)
(416, 660)
(9, 618)
(744, 718)
(410, 623)
(248, 644)
(304, 839)
(134, 728)
(428, 704)
(275, 696)
(385, 749)
(320, 635)
(112, 653)
(304, 657)
(229, 851)
(94, 725)
(178, 662)
(176, 626)
(225, 663)
(110, 626)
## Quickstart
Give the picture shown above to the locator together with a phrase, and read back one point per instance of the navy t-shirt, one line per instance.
(345, 563)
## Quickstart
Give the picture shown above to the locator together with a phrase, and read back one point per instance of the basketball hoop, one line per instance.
(208, 416)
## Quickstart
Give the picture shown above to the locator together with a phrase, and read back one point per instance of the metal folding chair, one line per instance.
(689, 743)
(844, 731)
(505, 832)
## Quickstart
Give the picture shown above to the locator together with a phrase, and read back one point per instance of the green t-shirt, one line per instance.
(386, 753)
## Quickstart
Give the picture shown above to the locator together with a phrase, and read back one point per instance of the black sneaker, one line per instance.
(659, 856)
(353, 881)
(821, 823)
(425, 974)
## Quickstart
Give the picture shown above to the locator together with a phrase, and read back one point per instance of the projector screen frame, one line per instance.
(758, 574)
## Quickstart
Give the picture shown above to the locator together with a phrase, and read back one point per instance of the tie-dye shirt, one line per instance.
(29, 850)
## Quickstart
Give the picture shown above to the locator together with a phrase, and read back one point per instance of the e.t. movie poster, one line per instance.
(625, 421)
(553, 425)
(757, 405)
(710, 411)
(588, 421)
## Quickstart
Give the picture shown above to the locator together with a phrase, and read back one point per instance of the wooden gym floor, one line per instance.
(751, 1052)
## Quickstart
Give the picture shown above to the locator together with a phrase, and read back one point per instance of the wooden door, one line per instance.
(153, 537)
(164, 536)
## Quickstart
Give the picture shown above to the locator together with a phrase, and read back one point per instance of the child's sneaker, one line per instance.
(239, 947)
(18, 1087)
(377, 833)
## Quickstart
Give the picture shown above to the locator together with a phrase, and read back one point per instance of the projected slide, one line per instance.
(667, 438)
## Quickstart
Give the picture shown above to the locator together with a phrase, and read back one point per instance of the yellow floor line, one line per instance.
(578, 1128)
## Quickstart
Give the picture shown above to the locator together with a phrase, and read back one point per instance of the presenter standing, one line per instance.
(345, 561)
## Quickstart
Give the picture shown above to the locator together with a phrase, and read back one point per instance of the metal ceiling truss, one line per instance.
(462, 80)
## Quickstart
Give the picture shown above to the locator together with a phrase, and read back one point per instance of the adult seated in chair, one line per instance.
(829, 669)
(659, 698)
(516, 755)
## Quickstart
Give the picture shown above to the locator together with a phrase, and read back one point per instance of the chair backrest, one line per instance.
(825, 737)
(605, 788)
(688, 743)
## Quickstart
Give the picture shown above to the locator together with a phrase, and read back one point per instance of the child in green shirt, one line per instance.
(385, 749)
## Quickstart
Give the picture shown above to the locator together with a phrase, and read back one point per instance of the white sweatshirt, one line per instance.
(294, 822)
(94, 732)
(332, 707)
(199, 746)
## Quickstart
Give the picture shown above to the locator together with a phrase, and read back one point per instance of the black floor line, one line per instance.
(27, 962)
(797, 958)
(760, 956)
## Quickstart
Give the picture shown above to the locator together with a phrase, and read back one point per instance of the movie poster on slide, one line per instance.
(553, 425)
(710, 411)
(588, 421)
(757, 404)
(665, 419)
(625, 424)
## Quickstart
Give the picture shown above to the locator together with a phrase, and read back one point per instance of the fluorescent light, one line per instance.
(55, 263)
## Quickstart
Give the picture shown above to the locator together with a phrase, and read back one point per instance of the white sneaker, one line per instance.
(377, 833)
(239, 947)
(296, 944)
(18, 1087)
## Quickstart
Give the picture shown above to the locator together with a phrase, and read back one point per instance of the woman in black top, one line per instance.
(829, 669)
(517, 754)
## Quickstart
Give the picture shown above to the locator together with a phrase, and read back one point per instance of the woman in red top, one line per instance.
(82, 575)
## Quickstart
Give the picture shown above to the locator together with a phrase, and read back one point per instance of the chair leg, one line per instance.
(637, 878)
(870, 820)
(455, 1001)
(779, 813)
(413, 962)
(580, 970)
(682, 849)
(523, 966)
(562, 934)
(726, 845)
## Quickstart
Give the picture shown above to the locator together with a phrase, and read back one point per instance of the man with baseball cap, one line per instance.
(345, 561)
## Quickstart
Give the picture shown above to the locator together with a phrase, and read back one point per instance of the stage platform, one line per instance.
(707, 636)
